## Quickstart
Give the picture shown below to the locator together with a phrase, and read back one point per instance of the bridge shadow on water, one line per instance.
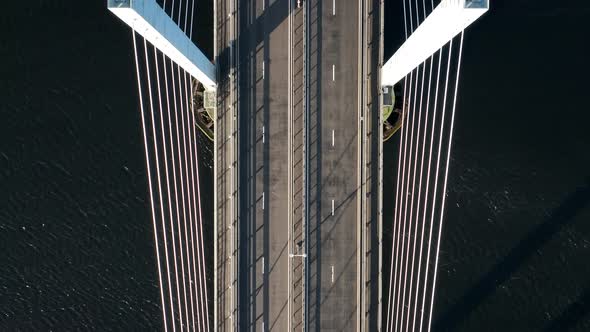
(559, 218)
(573, 314)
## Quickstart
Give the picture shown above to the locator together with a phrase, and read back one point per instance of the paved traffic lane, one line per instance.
(264, 194)
(334, 157)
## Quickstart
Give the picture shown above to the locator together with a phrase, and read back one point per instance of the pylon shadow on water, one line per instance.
(501, 272)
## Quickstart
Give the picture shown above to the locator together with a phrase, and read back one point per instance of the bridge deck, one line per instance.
(260, 133)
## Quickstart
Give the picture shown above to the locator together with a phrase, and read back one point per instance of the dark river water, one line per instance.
(76, 245)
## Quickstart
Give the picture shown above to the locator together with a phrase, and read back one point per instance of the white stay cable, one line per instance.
(393, 291)
(403, 194)
(190, 36)
(164, 6)
(159, 184)
(184, 207)
(182, 181)
(396, 221)
(436, 172)
(196, 257)
(179, 8)
(176, 198)
(412, 219)
(167, 185)
(445, 179)
(185, 193)
(428, 172)
(196, 205)
(190, 193)
(172, 11)
(194, 181)
(186, 17)
(425, 207)
(397, 199)
(147, 160)
(173, 158)
(198, 297)
(419, 198)
(199, 226)
(407, 192)
(194, 219)
(420, 193)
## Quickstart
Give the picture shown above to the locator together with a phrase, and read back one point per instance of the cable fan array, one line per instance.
(424, 156)
(170, 139)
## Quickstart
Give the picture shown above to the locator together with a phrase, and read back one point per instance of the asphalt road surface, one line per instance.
(334, 165)
(263, 139)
